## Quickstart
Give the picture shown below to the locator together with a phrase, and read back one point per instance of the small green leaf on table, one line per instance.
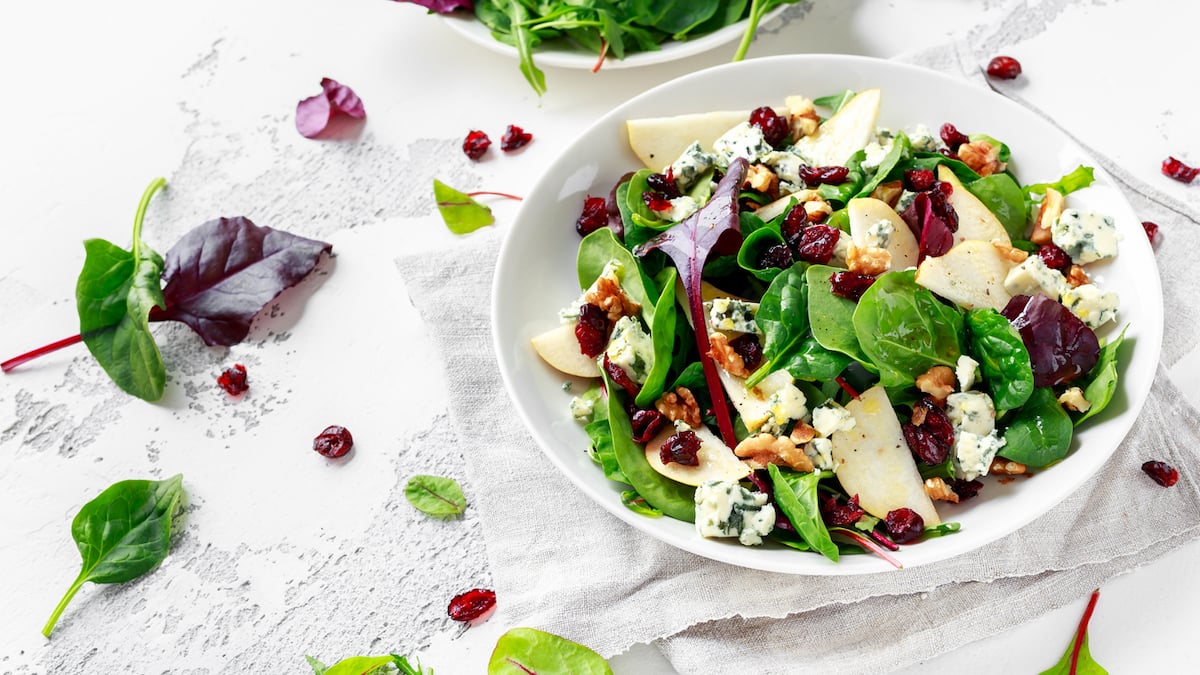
(1077, 660)
(461, 213)
(436, 496)
(521, 651)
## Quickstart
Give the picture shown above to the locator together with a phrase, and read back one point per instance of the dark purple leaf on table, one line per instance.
(313, 113)
(1061, 347)
(343, 99)
(441, 6)
(222, 273)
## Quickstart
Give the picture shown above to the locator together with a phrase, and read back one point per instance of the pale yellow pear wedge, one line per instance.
(902, 245)
(560, 348)
(845, 133)
(975, 221)
(716, 460)
(971, 275)
(658, 141)
(873, 460)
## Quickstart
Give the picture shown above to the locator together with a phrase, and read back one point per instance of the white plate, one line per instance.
(535, 277)
(563, 54)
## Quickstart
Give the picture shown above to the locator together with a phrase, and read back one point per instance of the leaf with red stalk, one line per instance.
(846, 387)
(459, 211)
(1078, 659)
(871, 545)
(688, 244)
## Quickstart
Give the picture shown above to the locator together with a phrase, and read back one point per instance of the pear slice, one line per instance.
(971, 275)
(559, 347)
(866, 212)
(873, 461)
(716, 460)
(848, 131)
(975, 221)
(658, 141)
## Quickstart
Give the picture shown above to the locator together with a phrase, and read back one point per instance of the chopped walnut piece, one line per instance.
(1014, 255)
(938, 382)
(919, 414)
(803, 118)
(762, 449)
(937, 490)
(724, 355)
(817, 209)
(889, 192)
(870, 260)
(1005, 467)
(981, 156)
(1048, 212)
(802, 433)
(679, 405)
(608, 296)
(760, 177)
(1077, 277)
(1072, 399)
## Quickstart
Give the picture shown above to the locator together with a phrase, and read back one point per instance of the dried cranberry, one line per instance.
(476, 144)
(334, 441)
(593, 217)
(656, 201)
(1179, 171)
(965, 489)
(681, 449)
(842, 515)
(514, 138)
(617, 374)
(850, 285)
(792, 227)
(1151, 230)
(749, 348)
(778, 255)
(938, 200)
(944, 187)
(592, 330)
(775, 128)
(904, 525)
(646, 424)
(233, 380)
(1055, 258)
(931, 439)
(473, 606)
(817, 175)
(817, 243)
(1164, 474)
(1004, 68)
(918, 180)
(663, 183)
(952, 137)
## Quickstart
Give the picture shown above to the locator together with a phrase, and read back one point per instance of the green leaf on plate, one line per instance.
(436, 496)
(521, 651)
(460, 212)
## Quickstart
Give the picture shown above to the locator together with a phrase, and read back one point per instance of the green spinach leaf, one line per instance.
(901, 152)
(796, 495)
(634, 502)
(1102, 381)
(1004, 198)
(905, 330)
(674, 499)
(832, 316)
(662, 336)
(834, 101)
(436, 496)
(603, 451)
(782, 319)
(1040, 432)
(753, 246)
(597, 250)
(521, 651)
(1078, 179)
(808, 360)
(1002, 355)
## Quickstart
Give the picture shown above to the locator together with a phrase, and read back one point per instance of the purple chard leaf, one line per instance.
(223, 272)
(442, 6)
(688, 244)
(313, 113)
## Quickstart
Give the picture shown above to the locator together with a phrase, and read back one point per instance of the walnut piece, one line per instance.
(762, 449)
(937, 490)
(1014, 255)
(889, 192)
(1077, 277)
(938, 382)
(608, 296)
(760, 177)
(802, 433)
(723, 355)
(1072, 399)
(803, 118)
(1005, 467)
(870, 260)
(981, 156)
(817, 209)
(1048, 212)
(679, 405)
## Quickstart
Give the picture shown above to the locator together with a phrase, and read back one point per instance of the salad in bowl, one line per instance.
(798, 328)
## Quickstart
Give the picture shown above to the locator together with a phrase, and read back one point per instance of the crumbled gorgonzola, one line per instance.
(923, 140)
(582, 409)
(820, 451)
(1032, 276)
(785, 402)
(964, 370)
(1093, 306)
(905, 201)
(726, 509)
(631, 348)
(1085, 236)
(830, 418)
(879, 234)
(733, 315)
(973, 453)
(691, 165)
(786, 166)
(743, 140)
(876, 150)
(681, 208)
(971, 411)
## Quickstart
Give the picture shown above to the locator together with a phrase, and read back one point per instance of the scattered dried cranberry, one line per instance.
(792, 227)
(941, 205)
(593, 217)
(952, 137)
(476, 144)
(842, 515)
(775, 128)
(619, 376)
(514, 138)
(1004, 68)
(749, 348)
(1055, 258)
(904, 525)
(817, 243)
(918, 180)
(646, 424)
(778, 255)
(817, 175)
(334, 441)
(663, 183)
(233, 380)
(1179, 171)
(850, 285)
(930, 435)
(656, 201)
(681, 449)
(474, 606)
(1164, 474)
(591, 330)
(1151, 230)
(965, 489)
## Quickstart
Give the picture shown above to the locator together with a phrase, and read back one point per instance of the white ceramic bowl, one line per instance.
(535, 277)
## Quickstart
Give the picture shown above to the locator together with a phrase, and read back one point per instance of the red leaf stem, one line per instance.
(603, 53)
(1083, 625)
(846, 387)
(40, 351)
(494, 194)
(866, 543)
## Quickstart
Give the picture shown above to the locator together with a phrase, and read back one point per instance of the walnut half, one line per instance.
(937, 490)
(724, 355)
(610, 297)
(938, 382)
(763, 449)
(679, 405)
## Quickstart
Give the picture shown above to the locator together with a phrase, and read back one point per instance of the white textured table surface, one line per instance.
(283, 553)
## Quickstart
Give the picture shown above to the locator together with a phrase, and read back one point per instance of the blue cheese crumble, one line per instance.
(692, 164)
(923, 140)
(743, 140)
(879, 234)
(681, 207)
(820, 451)
(830, 418)
(1093, 306)
(727, 314)
(975, 441)
(631, 348)
(582, 409)
(1085, 236)
(726, 509)
(964, 370)
(1032, 276)
(785, 402)
(971, 411)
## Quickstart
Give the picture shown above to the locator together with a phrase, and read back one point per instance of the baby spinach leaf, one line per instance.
(753, 247)
(842, 192)
(1002, 356)
(1078, 179)
(222, 273)
(603, 451)
(834, 101)
(601, 247)
(782, 318)
(1004, 154)
(808, 360)
(122, 534)
(831, 316)
(115, 293)
(905, 329)
(901, 151)
(674, 499)
(691, 377)
(1040, 432)
(1004, 198)
(662, 336)
(1102, 382)
(634, 502)
(436, 496)
(522, 651)
(460, 212)
(796, 495)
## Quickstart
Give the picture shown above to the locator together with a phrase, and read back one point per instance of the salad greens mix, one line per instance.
(804, 328)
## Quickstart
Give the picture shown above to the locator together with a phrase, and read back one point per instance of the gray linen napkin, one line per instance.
(562, 563)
